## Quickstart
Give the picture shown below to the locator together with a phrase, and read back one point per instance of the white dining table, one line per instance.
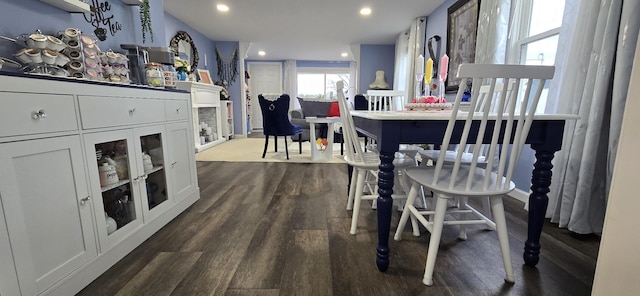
(392, 128)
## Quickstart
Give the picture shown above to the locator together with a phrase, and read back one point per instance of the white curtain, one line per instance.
(402, 60)
(593, 64)
(291, 82)
(595, 68)
(353, 81)
(493, 26)
(408, 47)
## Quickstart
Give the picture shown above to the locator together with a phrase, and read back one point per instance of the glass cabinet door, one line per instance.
(115, 184)
(152, 163)
(112, 159)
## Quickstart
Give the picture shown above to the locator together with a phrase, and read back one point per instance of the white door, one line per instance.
(265, 78)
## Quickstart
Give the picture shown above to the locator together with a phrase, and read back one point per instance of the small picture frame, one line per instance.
(204, 76)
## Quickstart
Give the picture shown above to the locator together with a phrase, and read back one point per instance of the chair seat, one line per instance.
(450, 156)
(425, 176)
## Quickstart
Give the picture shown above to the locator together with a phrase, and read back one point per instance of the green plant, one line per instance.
(145, 20)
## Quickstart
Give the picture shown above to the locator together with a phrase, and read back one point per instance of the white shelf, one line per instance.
(69, 5)
(133, 2)
(114, 185)
(154, 169)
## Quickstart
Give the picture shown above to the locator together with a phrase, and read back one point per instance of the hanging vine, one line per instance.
(145, 20)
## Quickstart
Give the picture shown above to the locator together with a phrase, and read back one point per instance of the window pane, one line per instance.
(332, 79)
(540, 52)
(545, 15)
(310, 85)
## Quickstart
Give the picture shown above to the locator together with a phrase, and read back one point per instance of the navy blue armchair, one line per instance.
(275, 122)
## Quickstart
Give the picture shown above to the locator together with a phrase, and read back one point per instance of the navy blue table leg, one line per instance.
(538, 201)
(384, 209)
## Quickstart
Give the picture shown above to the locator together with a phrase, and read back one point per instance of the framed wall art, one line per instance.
(204, 76)
(462, 27)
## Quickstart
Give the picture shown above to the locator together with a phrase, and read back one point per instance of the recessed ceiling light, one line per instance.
(344, 54)
(222, 7)
(261, 53)
(365, 11)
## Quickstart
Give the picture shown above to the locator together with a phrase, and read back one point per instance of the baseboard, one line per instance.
(520, 195)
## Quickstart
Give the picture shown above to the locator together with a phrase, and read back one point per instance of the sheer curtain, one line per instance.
(402, 60)
(291, 82)
(594, 77)
(408, 46)
(353, 80)
(593, 64)
(493, 26)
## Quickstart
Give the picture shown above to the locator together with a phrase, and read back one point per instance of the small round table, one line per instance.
(327, 154)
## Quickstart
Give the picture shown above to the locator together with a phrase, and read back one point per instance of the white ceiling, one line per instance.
(317, 30)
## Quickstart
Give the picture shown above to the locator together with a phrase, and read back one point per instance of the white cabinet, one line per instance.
(180, 158)
(207, 113)
(8, 278)
(47, 208)
(227, 119)
(61, 226)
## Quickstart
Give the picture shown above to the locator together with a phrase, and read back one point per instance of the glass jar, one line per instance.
(170, 77)
(154, 73)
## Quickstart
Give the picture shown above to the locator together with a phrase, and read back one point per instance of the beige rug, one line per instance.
(250, 150)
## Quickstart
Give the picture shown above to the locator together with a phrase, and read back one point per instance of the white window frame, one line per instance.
(325, 70)
(521, 21)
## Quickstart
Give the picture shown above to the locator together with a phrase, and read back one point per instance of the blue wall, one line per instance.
(372, 59)
(207, 52)
(24, 17)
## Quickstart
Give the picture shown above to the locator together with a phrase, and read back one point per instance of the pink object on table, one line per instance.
(444, 67)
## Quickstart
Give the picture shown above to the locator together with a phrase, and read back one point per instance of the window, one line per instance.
(536, 42)
(320, 83)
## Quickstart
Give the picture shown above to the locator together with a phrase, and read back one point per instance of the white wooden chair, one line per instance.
(386, 100)
(467, 154)
(390, 100)
(449, 180)
(364, 162)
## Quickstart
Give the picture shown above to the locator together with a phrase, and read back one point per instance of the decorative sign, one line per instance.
(101, 18)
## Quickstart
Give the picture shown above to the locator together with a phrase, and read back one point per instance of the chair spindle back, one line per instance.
(506, 117)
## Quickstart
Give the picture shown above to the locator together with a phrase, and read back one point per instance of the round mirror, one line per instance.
(184, 48)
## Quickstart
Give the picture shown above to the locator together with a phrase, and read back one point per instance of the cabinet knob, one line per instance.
(178, 110)
(85, 200)
(174, 164)
(40, 114)
(132, 111)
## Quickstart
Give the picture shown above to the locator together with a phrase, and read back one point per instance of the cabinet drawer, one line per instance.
(26, 114)
(176, 110)
(207, 99)
(96, 112)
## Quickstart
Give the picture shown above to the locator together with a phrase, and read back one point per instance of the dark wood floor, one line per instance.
(282, 229)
